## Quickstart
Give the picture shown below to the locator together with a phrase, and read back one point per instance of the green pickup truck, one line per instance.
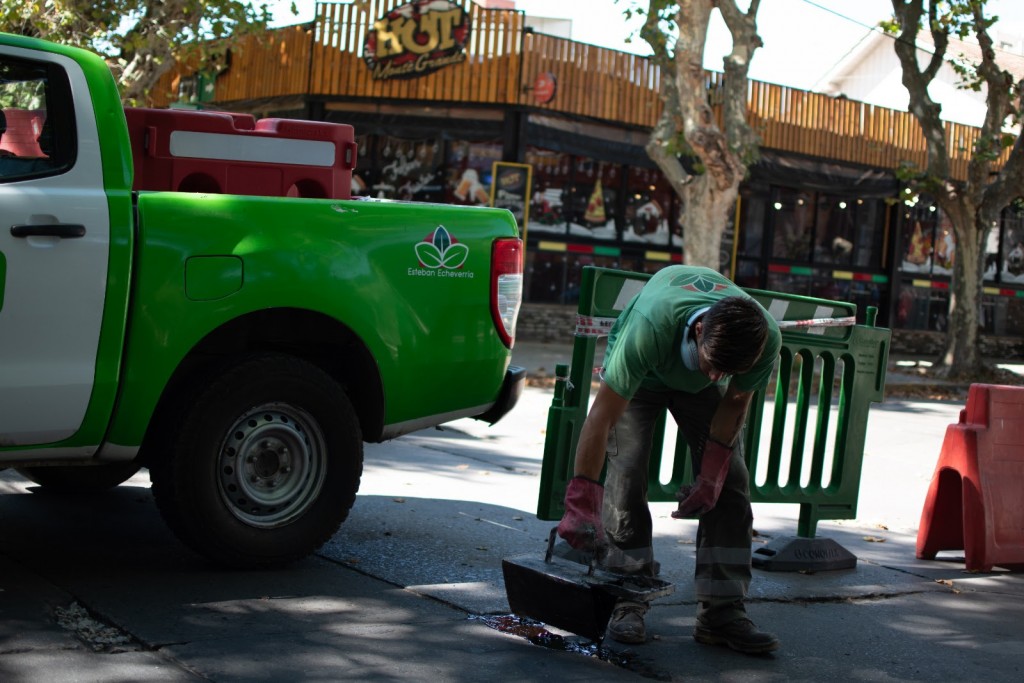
(242, 348)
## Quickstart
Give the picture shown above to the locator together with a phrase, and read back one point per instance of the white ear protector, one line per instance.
(688, 347)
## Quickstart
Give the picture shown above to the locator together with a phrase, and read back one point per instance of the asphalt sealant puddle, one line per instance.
(536, 633)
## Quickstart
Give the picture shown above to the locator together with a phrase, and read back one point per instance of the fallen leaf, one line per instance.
(874, 539)
(398, 500)
(882, 527)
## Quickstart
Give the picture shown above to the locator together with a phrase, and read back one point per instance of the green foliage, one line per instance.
(21, 87)
(137, 37)
(957, 19)
(112, 27)
(659, 29)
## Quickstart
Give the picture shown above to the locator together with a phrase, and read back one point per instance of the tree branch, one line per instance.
(916, 81)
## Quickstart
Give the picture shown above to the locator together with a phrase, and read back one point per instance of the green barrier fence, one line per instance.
(827, 377)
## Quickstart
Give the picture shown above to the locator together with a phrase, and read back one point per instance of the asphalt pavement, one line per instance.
(410, 588)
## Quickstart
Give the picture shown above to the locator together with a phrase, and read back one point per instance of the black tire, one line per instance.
(265, 466)
(80, 478)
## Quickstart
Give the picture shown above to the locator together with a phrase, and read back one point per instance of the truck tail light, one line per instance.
(506, 287)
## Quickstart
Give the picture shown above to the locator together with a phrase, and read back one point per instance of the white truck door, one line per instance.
(54, 242)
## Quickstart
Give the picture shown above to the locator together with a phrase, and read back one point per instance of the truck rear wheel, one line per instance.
(80, 478)
(266, 465)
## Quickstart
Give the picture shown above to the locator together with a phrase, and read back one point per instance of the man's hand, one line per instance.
(581, 525)
(701, 496)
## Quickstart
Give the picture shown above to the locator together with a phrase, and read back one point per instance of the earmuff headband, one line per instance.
(688, 347)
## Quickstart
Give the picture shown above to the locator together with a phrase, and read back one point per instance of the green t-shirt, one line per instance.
(643, 345)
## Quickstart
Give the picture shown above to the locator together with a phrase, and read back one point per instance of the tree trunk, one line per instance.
(723, 154)
(961, 357)
(707, 217)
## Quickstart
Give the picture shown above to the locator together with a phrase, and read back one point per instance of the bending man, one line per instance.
(693, 342)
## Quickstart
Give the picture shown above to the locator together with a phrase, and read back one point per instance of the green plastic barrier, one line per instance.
(814, 449)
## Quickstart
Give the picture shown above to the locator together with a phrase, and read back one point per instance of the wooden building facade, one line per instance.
(436, 99)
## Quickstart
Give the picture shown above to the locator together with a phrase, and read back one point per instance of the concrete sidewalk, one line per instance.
(411, 586)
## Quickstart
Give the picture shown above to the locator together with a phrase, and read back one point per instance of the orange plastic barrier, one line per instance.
(975, 500)
(221, 152)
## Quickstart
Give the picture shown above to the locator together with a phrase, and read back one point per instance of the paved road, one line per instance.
(395, 595)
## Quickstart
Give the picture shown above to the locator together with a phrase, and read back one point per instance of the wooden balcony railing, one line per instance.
(503, 59)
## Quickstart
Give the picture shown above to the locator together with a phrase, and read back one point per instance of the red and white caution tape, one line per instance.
(590, 326)
(818, 322)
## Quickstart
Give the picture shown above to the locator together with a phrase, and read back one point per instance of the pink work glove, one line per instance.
(702, 494)
(581, 524)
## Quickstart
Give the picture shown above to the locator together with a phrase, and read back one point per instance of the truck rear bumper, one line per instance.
(511, 390)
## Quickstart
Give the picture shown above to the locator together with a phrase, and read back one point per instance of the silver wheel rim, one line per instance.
(272, 465)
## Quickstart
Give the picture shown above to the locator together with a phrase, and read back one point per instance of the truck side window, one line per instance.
(37, 131)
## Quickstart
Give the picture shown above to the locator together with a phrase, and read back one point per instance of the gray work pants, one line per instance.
(722, 571)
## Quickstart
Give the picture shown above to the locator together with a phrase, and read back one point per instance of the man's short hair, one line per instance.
(734, 333)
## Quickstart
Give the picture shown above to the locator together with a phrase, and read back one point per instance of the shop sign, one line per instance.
(417, 38)
(544, 87)
(510, 189)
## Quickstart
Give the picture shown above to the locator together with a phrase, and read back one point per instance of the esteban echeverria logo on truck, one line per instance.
(440, 255)
(417, 38)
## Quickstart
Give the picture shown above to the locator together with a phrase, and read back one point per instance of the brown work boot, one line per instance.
(741, 635)
(627, 622)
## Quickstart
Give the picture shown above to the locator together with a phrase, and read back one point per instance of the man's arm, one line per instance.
(728, 419)
(702, 495)
(584, 496)
(606, 410)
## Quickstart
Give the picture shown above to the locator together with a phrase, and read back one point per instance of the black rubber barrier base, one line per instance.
(798, 554)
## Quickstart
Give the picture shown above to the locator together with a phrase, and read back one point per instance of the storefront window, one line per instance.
(849, 231)
(922, 308)
(919, 238)
(1012, 270)
(410, 169)
(945, 247)
(469, 171)
(748, 273)
(864, 295)
(545, 272)
(591, 200)
(841, 230)
(362, 177)
(551, 172)
(792, 218)
(754, 203)
(649, 214)
(991, 253)
(1003, 315)
(575, 263)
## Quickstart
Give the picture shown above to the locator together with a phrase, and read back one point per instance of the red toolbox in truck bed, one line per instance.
(225, 153)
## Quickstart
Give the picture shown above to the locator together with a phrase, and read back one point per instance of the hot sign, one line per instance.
(417, 38)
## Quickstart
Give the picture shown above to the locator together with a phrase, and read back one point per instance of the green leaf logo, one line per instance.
(700, 283)
(439, 250)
